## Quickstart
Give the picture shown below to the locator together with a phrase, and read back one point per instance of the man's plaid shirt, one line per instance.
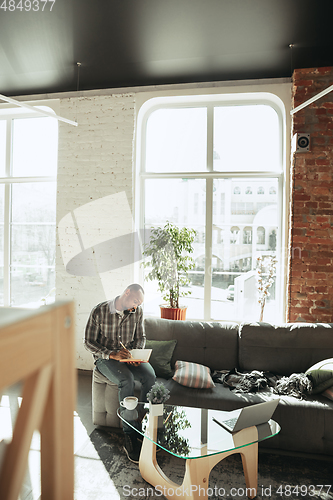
(106, 329)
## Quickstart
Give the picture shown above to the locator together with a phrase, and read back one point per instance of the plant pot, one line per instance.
(177, 313)
(155, 410)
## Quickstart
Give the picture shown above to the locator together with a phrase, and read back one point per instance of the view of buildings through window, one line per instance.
(28, 166)
(231, 197)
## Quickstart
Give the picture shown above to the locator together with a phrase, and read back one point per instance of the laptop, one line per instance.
(248, 416)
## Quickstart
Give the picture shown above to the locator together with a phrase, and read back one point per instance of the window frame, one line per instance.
(9, 113)
(210, 101)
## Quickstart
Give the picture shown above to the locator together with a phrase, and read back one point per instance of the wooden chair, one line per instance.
(37, 347)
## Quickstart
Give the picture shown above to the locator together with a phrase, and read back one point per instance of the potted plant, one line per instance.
(168, 253)
(157, 395)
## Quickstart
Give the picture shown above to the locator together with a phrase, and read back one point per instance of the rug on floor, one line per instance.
(103, 471)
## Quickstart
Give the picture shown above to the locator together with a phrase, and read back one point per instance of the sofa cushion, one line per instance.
(284, 349)
(193, 375)
(211, 344)
(160, 358)
(321, 375)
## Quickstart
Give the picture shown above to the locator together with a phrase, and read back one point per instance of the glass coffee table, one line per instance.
(192, 434)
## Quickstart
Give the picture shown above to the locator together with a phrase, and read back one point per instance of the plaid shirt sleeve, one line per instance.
(139, 336)
(92, 335)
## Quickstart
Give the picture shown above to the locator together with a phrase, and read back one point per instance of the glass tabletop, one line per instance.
(191, 432)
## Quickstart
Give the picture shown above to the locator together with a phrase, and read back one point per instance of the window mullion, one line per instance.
(7, 246)
(281, 277)
(142, 224)
(209, 215)
(9, 133)
(6, 239)
(210, 138)
(208, 250)
(7, 218)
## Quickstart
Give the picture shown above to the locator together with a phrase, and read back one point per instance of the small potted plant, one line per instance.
(157, 395)
(169, 260)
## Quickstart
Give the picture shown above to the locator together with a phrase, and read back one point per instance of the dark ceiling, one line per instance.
(122, 43)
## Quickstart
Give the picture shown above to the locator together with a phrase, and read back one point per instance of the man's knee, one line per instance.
(150, 377)
(126, 378)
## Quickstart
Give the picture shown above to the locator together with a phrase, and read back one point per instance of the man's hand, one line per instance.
(123, 354)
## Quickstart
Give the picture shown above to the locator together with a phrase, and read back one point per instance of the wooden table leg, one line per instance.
(250, 466)
(196, 479)
(249, 456)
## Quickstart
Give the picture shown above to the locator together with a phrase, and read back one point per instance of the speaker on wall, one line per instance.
(301, 143)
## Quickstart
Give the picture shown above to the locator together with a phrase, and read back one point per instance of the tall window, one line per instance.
(28, 167)
(227, 153)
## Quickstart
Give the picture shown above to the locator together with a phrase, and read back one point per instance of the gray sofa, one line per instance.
(306, 424)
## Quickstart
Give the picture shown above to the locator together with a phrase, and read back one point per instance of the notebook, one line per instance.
(248, 416)
(138, 355)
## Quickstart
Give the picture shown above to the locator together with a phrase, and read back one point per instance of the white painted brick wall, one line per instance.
(95, 172)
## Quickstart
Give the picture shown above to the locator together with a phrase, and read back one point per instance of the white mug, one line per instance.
(130, 402)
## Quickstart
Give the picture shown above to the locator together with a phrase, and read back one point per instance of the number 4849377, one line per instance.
(26, 5)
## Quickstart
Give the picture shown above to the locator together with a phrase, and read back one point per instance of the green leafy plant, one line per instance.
(158, 393)
(170, 435)
(168, 253)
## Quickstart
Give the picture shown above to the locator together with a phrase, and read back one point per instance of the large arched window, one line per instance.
(201, 162)
(28, 169)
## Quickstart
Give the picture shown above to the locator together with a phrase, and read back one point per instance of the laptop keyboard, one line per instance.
(231, 422)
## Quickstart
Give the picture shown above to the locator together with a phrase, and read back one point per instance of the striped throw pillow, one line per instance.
(193, 375)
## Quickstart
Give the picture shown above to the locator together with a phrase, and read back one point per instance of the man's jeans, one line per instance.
(124, 375)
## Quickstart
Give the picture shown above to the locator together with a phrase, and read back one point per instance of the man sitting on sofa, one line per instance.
(114, 327)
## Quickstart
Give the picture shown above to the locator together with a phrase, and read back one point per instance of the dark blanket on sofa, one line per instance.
(297, 384)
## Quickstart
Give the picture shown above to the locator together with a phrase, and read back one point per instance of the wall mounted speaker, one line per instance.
(301, 143)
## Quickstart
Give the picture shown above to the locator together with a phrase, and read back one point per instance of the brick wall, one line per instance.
(311, 260)
(94, 202)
